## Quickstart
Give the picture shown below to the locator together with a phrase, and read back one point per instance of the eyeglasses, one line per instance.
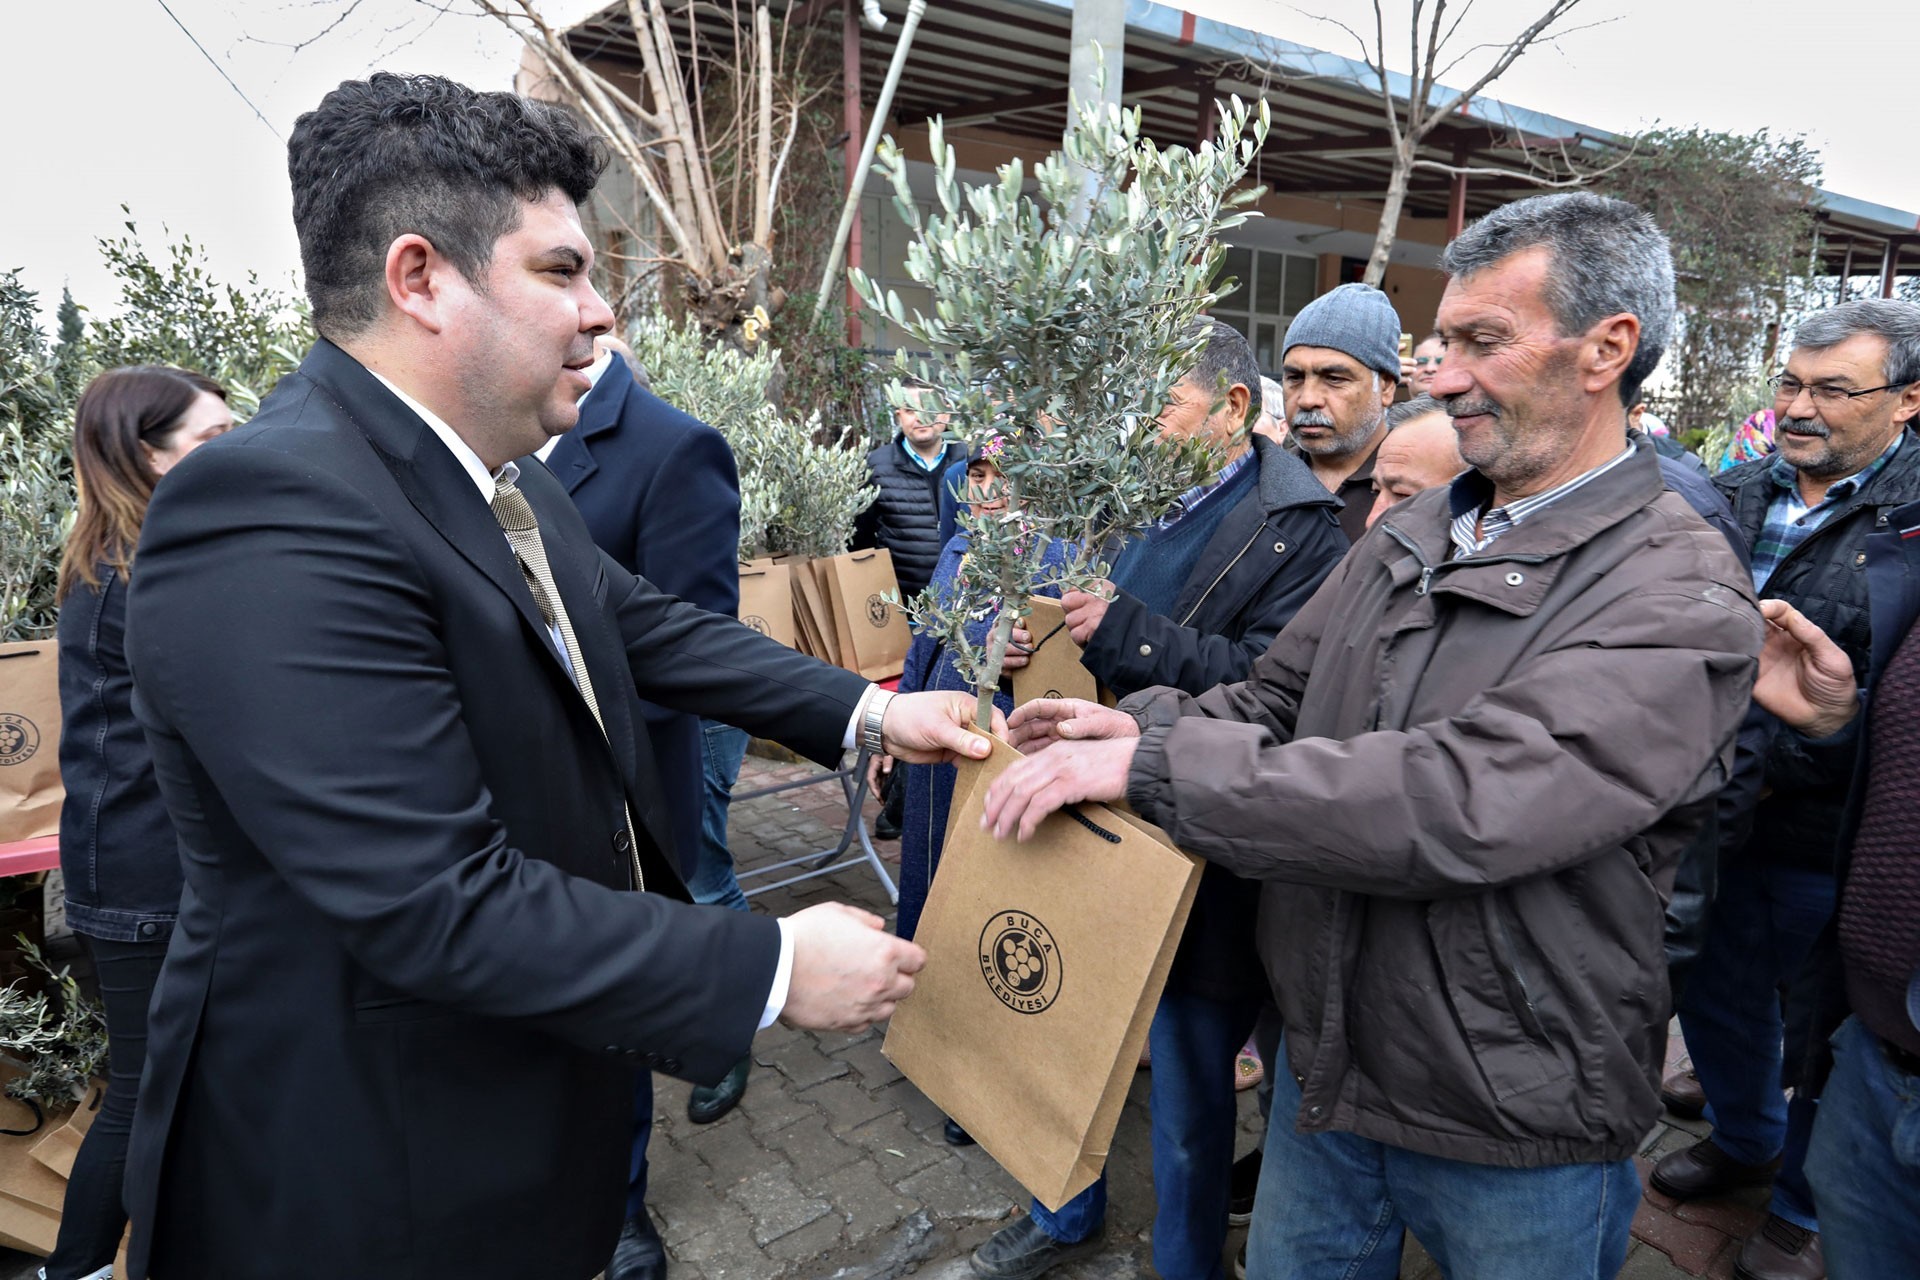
(1787, 388)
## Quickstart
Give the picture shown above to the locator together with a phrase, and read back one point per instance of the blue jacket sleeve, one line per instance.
(687, 541)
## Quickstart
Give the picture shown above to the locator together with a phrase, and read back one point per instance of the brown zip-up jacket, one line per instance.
(1465, 783)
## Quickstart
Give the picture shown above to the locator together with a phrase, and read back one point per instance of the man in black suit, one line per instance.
(390, 687)
(660, 493)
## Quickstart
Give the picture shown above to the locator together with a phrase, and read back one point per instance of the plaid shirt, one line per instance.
(1790, 520)
(1471, 531)
(1192, 498)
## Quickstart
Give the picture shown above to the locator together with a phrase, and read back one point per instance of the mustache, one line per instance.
(1463, 406)
(1311, 418)
(1805, 427)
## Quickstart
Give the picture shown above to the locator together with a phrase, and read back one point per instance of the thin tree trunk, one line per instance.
(1390, 215)
(763, 150)
(669, 104)
(997, 642)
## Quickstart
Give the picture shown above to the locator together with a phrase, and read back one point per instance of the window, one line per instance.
(1274, 287)
(883, 250)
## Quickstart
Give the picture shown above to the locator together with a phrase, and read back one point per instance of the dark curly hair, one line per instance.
(391, 155)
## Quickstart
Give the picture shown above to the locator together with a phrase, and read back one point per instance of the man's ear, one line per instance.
(1909, 404)
(1608, 350)
(1239, 401)
(416, 280)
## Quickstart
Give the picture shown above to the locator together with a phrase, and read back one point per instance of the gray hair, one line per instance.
(1897, 322)
(1407, 410)
(1225, 360)
(1606, 257)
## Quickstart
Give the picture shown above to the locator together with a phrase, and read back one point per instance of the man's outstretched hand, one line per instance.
(935, 728)
(1805, 678)
(848, 971)
(1038, 724)
(1065, 773)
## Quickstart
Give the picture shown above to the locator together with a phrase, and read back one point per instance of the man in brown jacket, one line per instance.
(1465, 772)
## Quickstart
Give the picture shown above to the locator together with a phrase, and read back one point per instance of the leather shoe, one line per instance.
(1682, 1095)
(955, 1135)
(1779, 1250)
(639, 1255)
(1022, 1251)
(1705, 1170)
(893, 808)
(708, 1103)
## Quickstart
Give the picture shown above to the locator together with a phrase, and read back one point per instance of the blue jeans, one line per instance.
(1865, 1161)
(1332, 1204)
(712, 883)
(1764, 923)
(1194, 1041)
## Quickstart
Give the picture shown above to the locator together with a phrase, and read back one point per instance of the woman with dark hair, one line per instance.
(117, 849)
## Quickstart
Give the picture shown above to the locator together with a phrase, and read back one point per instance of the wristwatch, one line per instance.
(873, 713)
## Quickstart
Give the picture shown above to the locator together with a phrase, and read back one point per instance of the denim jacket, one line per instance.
(117, 848)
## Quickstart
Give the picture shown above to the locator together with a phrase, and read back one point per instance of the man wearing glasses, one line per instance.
(1426, 362)
(1845, 460)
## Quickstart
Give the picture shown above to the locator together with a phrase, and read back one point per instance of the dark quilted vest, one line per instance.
(906, 513)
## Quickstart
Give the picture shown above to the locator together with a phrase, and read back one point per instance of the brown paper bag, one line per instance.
(58, 1148)
(872, 628)
(813, 613)
(1045, 962)
(1053, 670)
(30, 790)
(31, 1194)
(766, 599)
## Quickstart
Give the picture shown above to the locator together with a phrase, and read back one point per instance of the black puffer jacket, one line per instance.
(1825, 578)
(905, 517)
(1267, 558)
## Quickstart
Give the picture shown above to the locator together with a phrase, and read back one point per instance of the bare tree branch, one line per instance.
(1508, 56)
(1533, 178)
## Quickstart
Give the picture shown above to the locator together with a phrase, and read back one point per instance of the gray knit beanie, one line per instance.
(1354, 318)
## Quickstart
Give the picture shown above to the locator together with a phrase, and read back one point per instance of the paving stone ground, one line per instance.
(833, 1166)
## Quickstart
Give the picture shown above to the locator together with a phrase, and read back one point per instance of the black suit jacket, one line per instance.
(396, 1032)
(660, 494)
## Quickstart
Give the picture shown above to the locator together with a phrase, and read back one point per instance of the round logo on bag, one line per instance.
(19, 739)
(1053, 693)
(878, 610)
(1020, 962)
(758, 623)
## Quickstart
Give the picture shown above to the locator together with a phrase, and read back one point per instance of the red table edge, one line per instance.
(20, 857)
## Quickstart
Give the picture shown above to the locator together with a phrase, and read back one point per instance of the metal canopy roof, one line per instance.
(1003, 64)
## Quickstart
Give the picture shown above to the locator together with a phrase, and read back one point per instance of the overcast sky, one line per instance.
(125, 109)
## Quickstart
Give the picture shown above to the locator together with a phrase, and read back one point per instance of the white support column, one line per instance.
(1102, 23)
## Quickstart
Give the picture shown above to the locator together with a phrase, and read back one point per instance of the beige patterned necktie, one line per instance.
(515, 514)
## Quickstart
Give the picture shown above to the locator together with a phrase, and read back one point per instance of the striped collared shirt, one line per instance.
(1473, 532)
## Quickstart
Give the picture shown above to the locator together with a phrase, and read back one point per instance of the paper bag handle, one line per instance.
(1073, 811)
(39, 1119)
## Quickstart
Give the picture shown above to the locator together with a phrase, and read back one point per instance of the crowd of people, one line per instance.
(1504, 728)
